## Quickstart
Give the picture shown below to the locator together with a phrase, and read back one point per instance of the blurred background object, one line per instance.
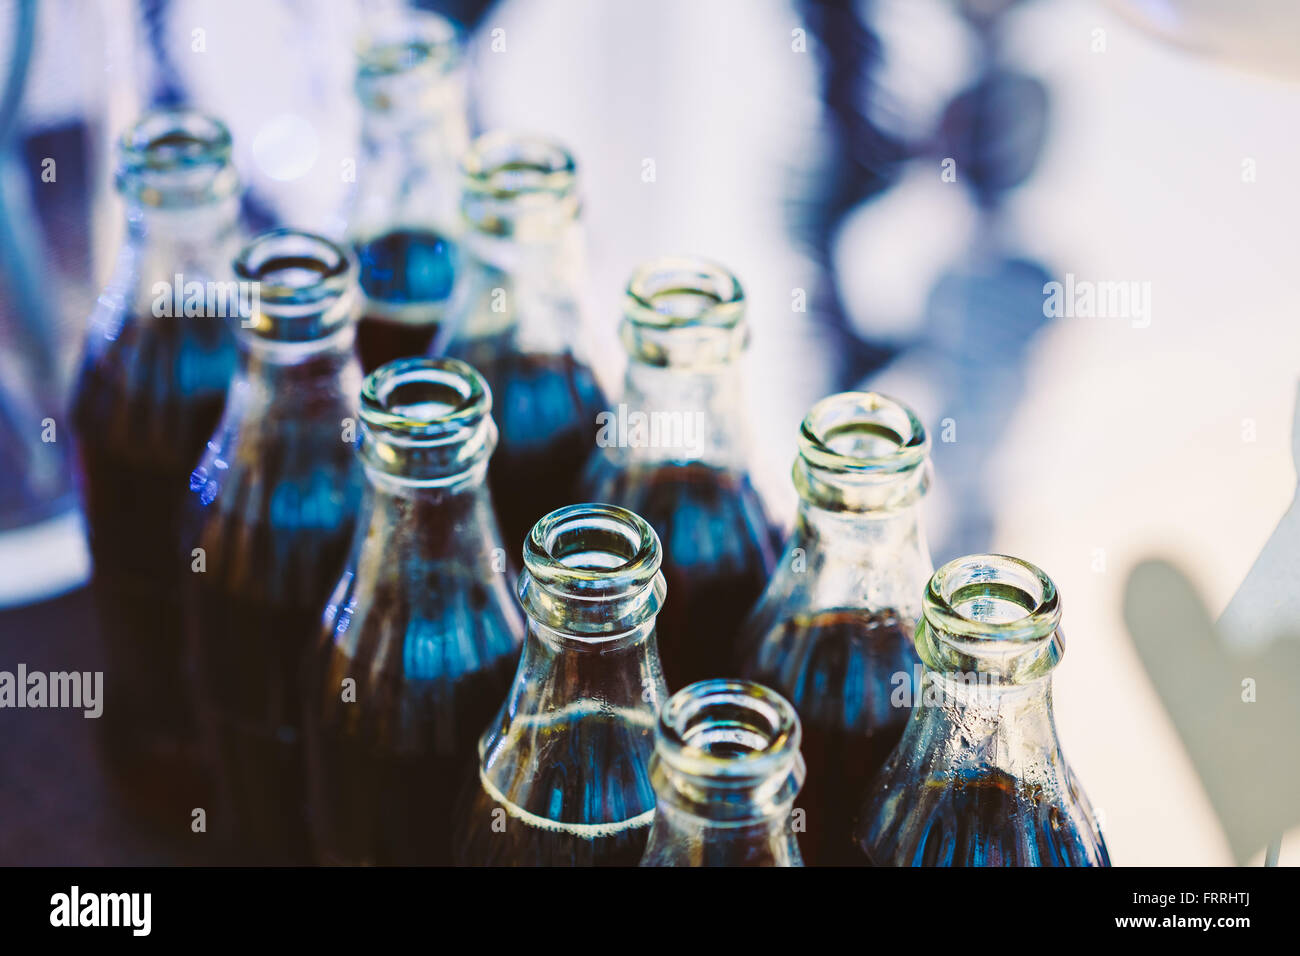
(804, 143)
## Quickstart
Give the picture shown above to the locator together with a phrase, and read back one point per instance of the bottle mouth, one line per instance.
(592, 569)
(176, 157)
(518, 184)
(733, 730)
(863, 433)
(991, 612)
(684, 311)
(305, 285)
(403, 54)
(862, 451)
(424, 397)
(424, 419)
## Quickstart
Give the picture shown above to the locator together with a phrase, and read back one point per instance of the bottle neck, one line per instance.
(860, 558)
(527, 289)
(679, 415)
(1006, 727)
(409, 173)
(182, 245)
(989, 639)
(302, 379)
(726, 772)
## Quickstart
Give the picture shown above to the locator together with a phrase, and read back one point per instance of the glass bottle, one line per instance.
(273, 503)
(563, 774)
(726, 771)
(422, 621)
(158, 358)
(674, 452)
(403, 220)
(978, 778)
(833, 631)
(519, 322)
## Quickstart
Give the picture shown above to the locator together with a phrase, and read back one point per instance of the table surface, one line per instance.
(58, 805)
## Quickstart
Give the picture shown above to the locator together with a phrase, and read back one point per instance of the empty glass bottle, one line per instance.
(403, 219)
(158, 359)
(273, 503)
(519, 322)
(674, 452)
(563, 776)
(421, 637)
(833, 631)
(978, 778)
(726, 771)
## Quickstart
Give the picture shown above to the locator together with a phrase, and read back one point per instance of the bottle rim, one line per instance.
(985, 603)
(306, 285)
(863, 433)
(593, 551)
(506, 164)
(426, 420)
(519, 185)
(684, 292)
(176, 157)
(760, 727)
(684, 312)
(408, 41)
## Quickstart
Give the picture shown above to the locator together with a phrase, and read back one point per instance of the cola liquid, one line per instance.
(840, 670)
(989, 818)
(394, 759)
(257, 608)
(142, 413)
(718, 555)
(545, 407)
(407, 276)
(591, 780)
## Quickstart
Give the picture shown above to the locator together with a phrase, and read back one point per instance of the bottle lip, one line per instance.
(684, 312)
(425, 398)
(593, 551)
(305, 284)
(518, 184)
(176, 157)
(426, 420)
(406, 62)
(983, 604)
(684, 292)
(407, 41)
(759, 727)
(863, 433)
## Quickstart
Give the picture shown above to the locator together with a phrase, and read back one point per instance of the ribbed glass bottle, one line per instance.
(421, 637)
(978, 778)
(563, 776)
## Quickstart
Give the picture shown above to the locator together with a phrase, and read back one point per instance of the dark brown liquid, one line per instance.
(587, 771)
(274, 549)
(407, 276)
(144, 406)
(984, 818)
(839, 669)
(432, 658)
(545, 408)
(381, 339)
(718, 554)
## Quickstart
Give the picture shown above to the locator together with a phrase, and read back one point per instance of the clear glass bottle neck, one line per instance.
(297, 329)
(591, 588)
(426, 432)
(681, 415)
(989, 639)
(684, 331)
(204, 229)
(726, 773)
